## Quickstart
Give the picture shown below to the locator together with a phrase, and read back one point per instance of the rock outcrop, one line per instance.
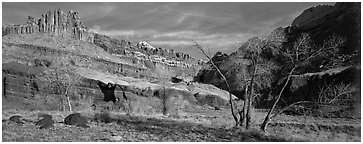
(150, 50)
(54, 22)
(312, 16)
(112, 45)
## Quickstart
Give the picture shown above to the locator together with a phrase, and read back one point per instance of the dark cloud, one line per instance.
(222, 26)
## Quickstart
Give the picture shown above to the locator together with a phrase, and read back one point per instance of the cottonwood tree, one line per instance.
(259, 69)
(257, 76)
(62, 79)
(224, 79)
(299, 57)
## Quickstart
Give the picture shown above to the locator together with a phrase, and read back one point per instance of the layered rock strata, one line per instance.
(24, 83)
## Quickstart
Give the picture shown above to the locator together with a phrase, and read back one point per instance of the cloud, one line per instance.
(184, 16)
(171, 43)
(107, 8)
(214, 43)
(178, 34)
(124, 33)
(217, 25)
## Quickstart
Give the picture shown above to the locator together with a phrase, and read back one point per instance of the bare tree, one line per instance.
(301, 55)
(66, 93)
(256, 76)
(224, 79)
(259, 69)
(62, 79)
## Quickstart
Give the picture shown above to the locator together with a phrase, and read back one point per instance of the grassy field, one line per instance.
(205, 125)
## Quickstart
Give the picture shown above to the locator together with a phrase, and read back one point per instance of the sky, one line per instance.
(216, 26)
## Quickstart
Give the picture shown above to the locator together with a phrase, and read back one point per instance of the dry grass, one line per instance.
(202, 125)
(123, 127)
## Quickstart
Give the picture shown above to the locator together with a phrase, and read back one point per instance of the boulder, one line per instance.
(46, 126)
(46, 122)
(16, 119)
(76, 119)
(176, 79)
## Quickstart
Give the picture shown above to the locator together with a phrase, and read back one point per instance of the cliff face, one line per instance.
(161, 62)
(150, 50)
(342, 19)
(122, 47)
(55, 22)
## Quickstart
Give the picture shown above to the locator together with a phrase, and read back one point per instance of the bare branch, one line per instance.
(224, 79)
(284, 109)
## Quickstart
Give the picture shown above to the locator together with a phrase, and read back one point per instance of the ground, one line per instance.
(206, 125)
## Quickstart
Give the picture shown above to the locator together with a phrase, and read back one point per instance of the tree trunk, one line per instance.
(249, 103)
(69, 104)
(64, 105)
(232, 109)
(250, 96)
(244, 120)
(66, 93)
(243, 117)
(267, 118)
(248, 115)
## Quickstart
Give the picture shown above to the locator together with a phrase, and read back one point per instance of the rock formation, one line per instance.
(150, 50)
(54, 22)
